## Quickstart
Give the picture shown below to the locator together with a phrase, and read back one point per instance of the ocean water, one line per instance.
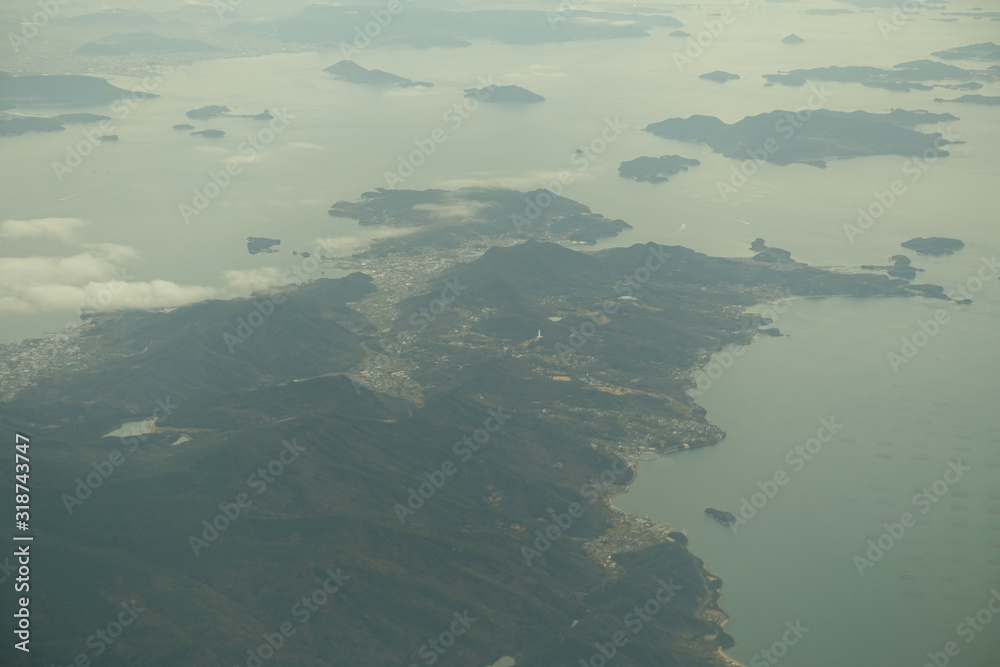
(808, 515)
(794, 560)
(342, 140)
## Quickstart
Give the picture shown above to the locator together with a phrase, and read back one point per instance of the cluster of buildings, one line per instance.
(23, 363)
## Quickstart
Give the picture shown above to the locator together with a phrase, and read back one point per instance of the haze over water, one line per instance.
(344, 138)
(794, 559)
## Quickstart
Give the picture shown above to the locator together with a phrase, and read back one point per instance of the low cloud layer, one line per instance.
(91, 277)
(62, 229)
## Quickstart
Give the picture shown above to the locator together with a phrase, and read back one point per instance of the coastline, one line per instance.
(710, 610)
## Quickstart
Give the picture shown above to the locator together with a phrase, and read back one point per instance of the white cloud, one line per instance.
(88, 280)
(18, 272)
(113, 252)
(62, 229)
(453, 207)
(526, 182)
(343, 245)
(304, 145)
(151, 294)
(242, 282)
(103, 296)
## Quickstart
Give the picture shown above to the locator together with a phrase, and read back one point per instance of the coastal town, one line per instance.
(23, 363)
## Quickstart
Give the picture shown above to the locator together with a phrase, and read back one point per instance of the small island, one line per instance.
(655, 169)
(211, 134)
(935, 245)
(69, 118)
(258, 244)
(968, 85)
(719, 76)
(350, 71)
(988, 100)
(793, 39)
(183, 126)
(827, 134)
(680, 33)
(16, 125)
(210, 111)
(504, 94)
(903, 77)
(108, 137)
(725, 518)
(900, 268)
